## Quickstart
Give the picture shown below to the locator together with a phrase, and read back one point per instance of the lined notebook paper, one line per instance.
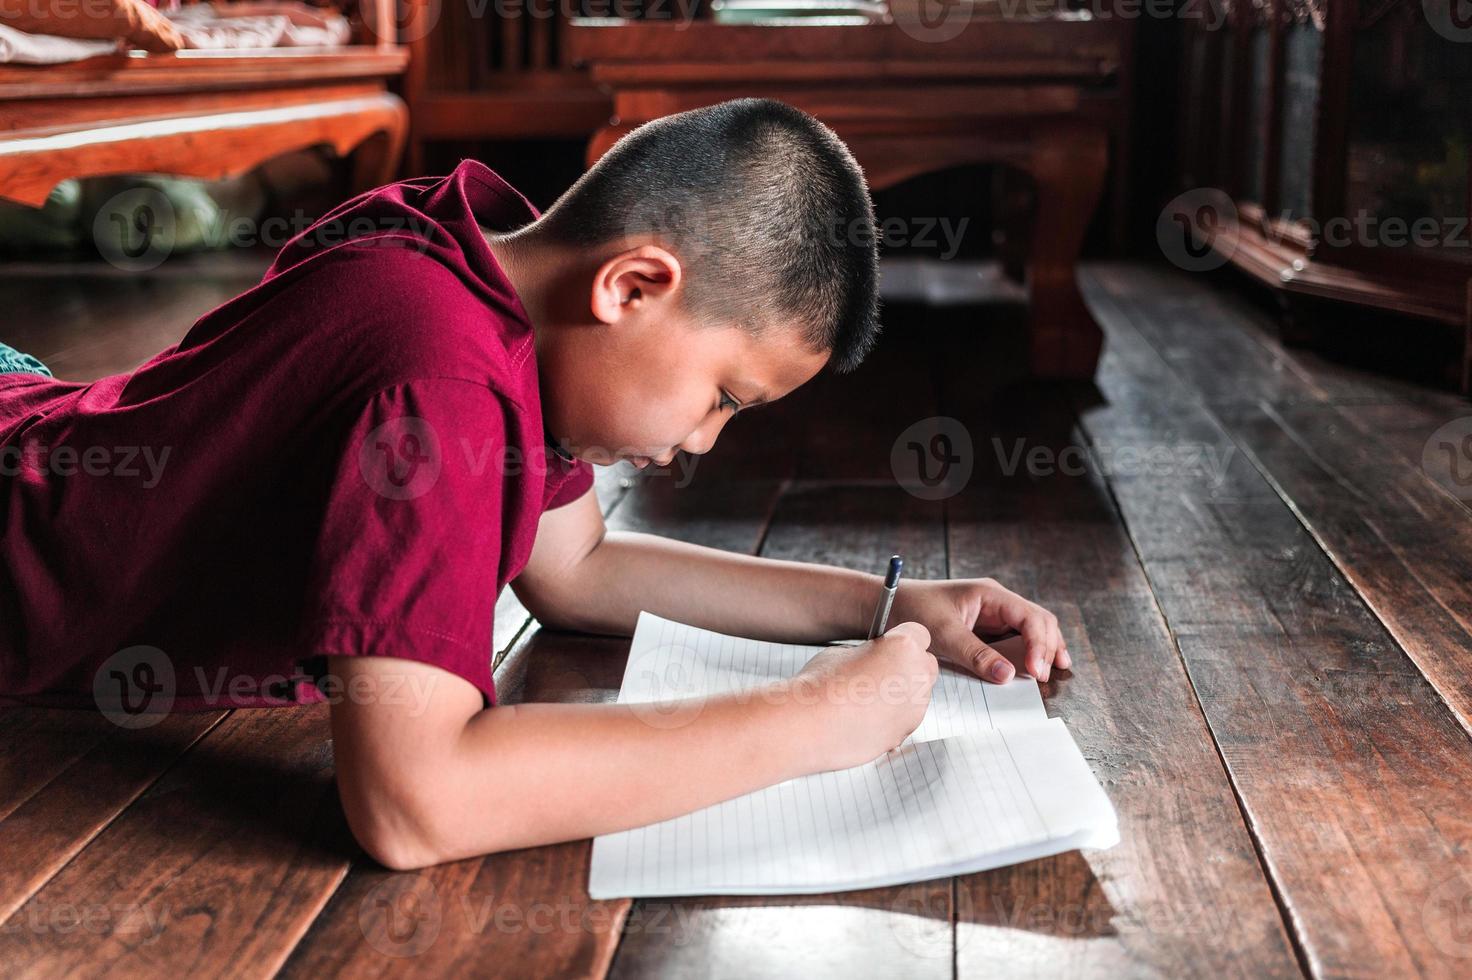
(986, 780)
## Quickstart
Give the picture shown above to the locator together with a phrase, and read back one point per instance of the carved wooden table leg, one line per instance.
(604, 139)
(1067, 160)
(376, 159)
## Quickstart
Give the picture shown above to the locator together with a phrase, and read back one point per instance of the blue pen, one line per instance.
(891, 585)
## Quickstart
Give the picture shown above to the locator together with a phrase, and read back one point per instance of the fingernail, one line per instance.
(1046, 672)
(1001, 671)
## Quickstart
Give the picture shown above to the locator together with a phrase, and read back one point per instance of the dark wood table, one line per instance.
(1042, 96)
(1270, 682)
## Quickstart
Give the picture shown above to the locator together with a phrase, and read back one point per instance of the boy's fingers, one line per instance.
(1032, 621)
(1036, 632)
(1051, 651)
(985, 662)
(916, 631)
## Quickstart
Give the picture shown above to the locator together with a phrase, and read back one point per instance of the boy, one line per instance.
(355, 455)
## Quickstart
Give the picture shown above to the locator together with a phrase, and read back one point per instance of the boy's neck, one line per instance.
(529, 272)
(525, 269)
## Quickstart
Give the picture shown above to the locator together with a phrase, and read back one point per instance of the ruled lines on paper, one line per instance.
(920, 810)
(987, 779)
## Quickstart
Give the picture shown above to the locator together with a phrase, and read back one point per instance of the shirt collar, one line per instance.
(556, 447)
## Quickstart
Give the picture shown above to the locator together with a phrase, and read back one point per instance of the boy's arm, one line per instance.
(427, 775)
(583, 577)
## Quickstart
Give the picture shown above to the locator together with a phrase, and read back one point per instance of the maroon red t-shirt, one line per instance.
(348, 458)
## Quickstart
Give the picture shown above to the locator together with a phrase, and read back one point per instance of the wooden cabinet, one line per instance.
(1324, 150)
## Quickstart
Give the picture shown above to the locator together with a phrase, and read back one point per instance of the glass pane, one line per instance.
(1409, 125)
(1302, 45)
(1257, 113)
(1227, 96)
(1200, 91)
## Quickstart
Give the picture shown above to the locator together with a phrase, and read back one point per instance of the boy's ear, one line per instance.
(633, 280)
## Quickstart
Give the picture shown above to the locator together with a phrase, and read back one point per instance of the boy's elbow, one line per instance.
(399, 848)
(404, 783)
(561, 618)
(404, 828)
(394, 841)
(393, 820)
(552, 609)
(396, 854)
(554, 584)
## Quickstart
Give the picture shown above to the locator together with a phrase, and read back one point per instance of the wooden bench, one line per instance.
(206, 114)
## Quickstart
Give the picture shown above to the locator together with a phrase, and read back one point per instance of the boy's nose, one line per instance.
(698, 445)
(702, 439)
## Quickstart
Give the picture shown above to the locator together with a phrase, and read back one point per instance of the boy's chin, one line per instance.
(598, 456)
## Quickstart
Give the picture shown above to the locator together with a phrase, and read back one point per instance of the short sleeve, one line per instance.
(407, 559)
(574, 485)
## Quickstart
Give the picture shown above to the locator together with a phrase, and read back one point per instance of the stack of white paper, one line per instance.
(986, 780)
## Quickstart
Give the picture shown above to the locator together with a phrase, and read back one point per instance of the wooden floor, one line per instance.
(1265, 590)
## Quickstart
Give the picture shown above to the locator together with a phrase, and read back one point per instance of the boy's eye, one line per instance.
(728, 400)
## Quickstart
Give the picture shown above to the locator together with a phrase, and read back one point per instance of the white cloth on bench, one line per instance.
(277, 25)
(18, 47)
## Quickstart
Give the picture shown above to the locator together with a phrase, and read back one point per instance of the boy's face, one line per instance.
(644, 379)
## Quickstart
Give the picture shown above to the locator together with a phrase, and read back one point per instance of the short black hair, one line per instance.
(766, 209)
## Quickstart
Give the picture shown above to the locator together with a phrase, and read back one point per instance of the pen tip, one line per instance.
(895, 564)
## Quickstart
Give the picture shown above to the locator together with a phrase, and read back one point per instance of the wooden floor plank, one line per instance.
(64, 776)
(1405, 545)
(1407, 430)
(1252, 365)
(1183, 892)
(215, 870)
(1248, 338)
(1401, 539)
(1352, 771)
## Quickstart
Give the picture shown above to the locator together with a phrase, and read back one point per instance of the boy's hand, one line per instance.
(865, 700)
(958, 612)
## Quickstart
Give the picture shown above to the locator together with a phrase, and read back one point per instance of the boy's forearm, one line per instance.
(532, 774)
(762, 598)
